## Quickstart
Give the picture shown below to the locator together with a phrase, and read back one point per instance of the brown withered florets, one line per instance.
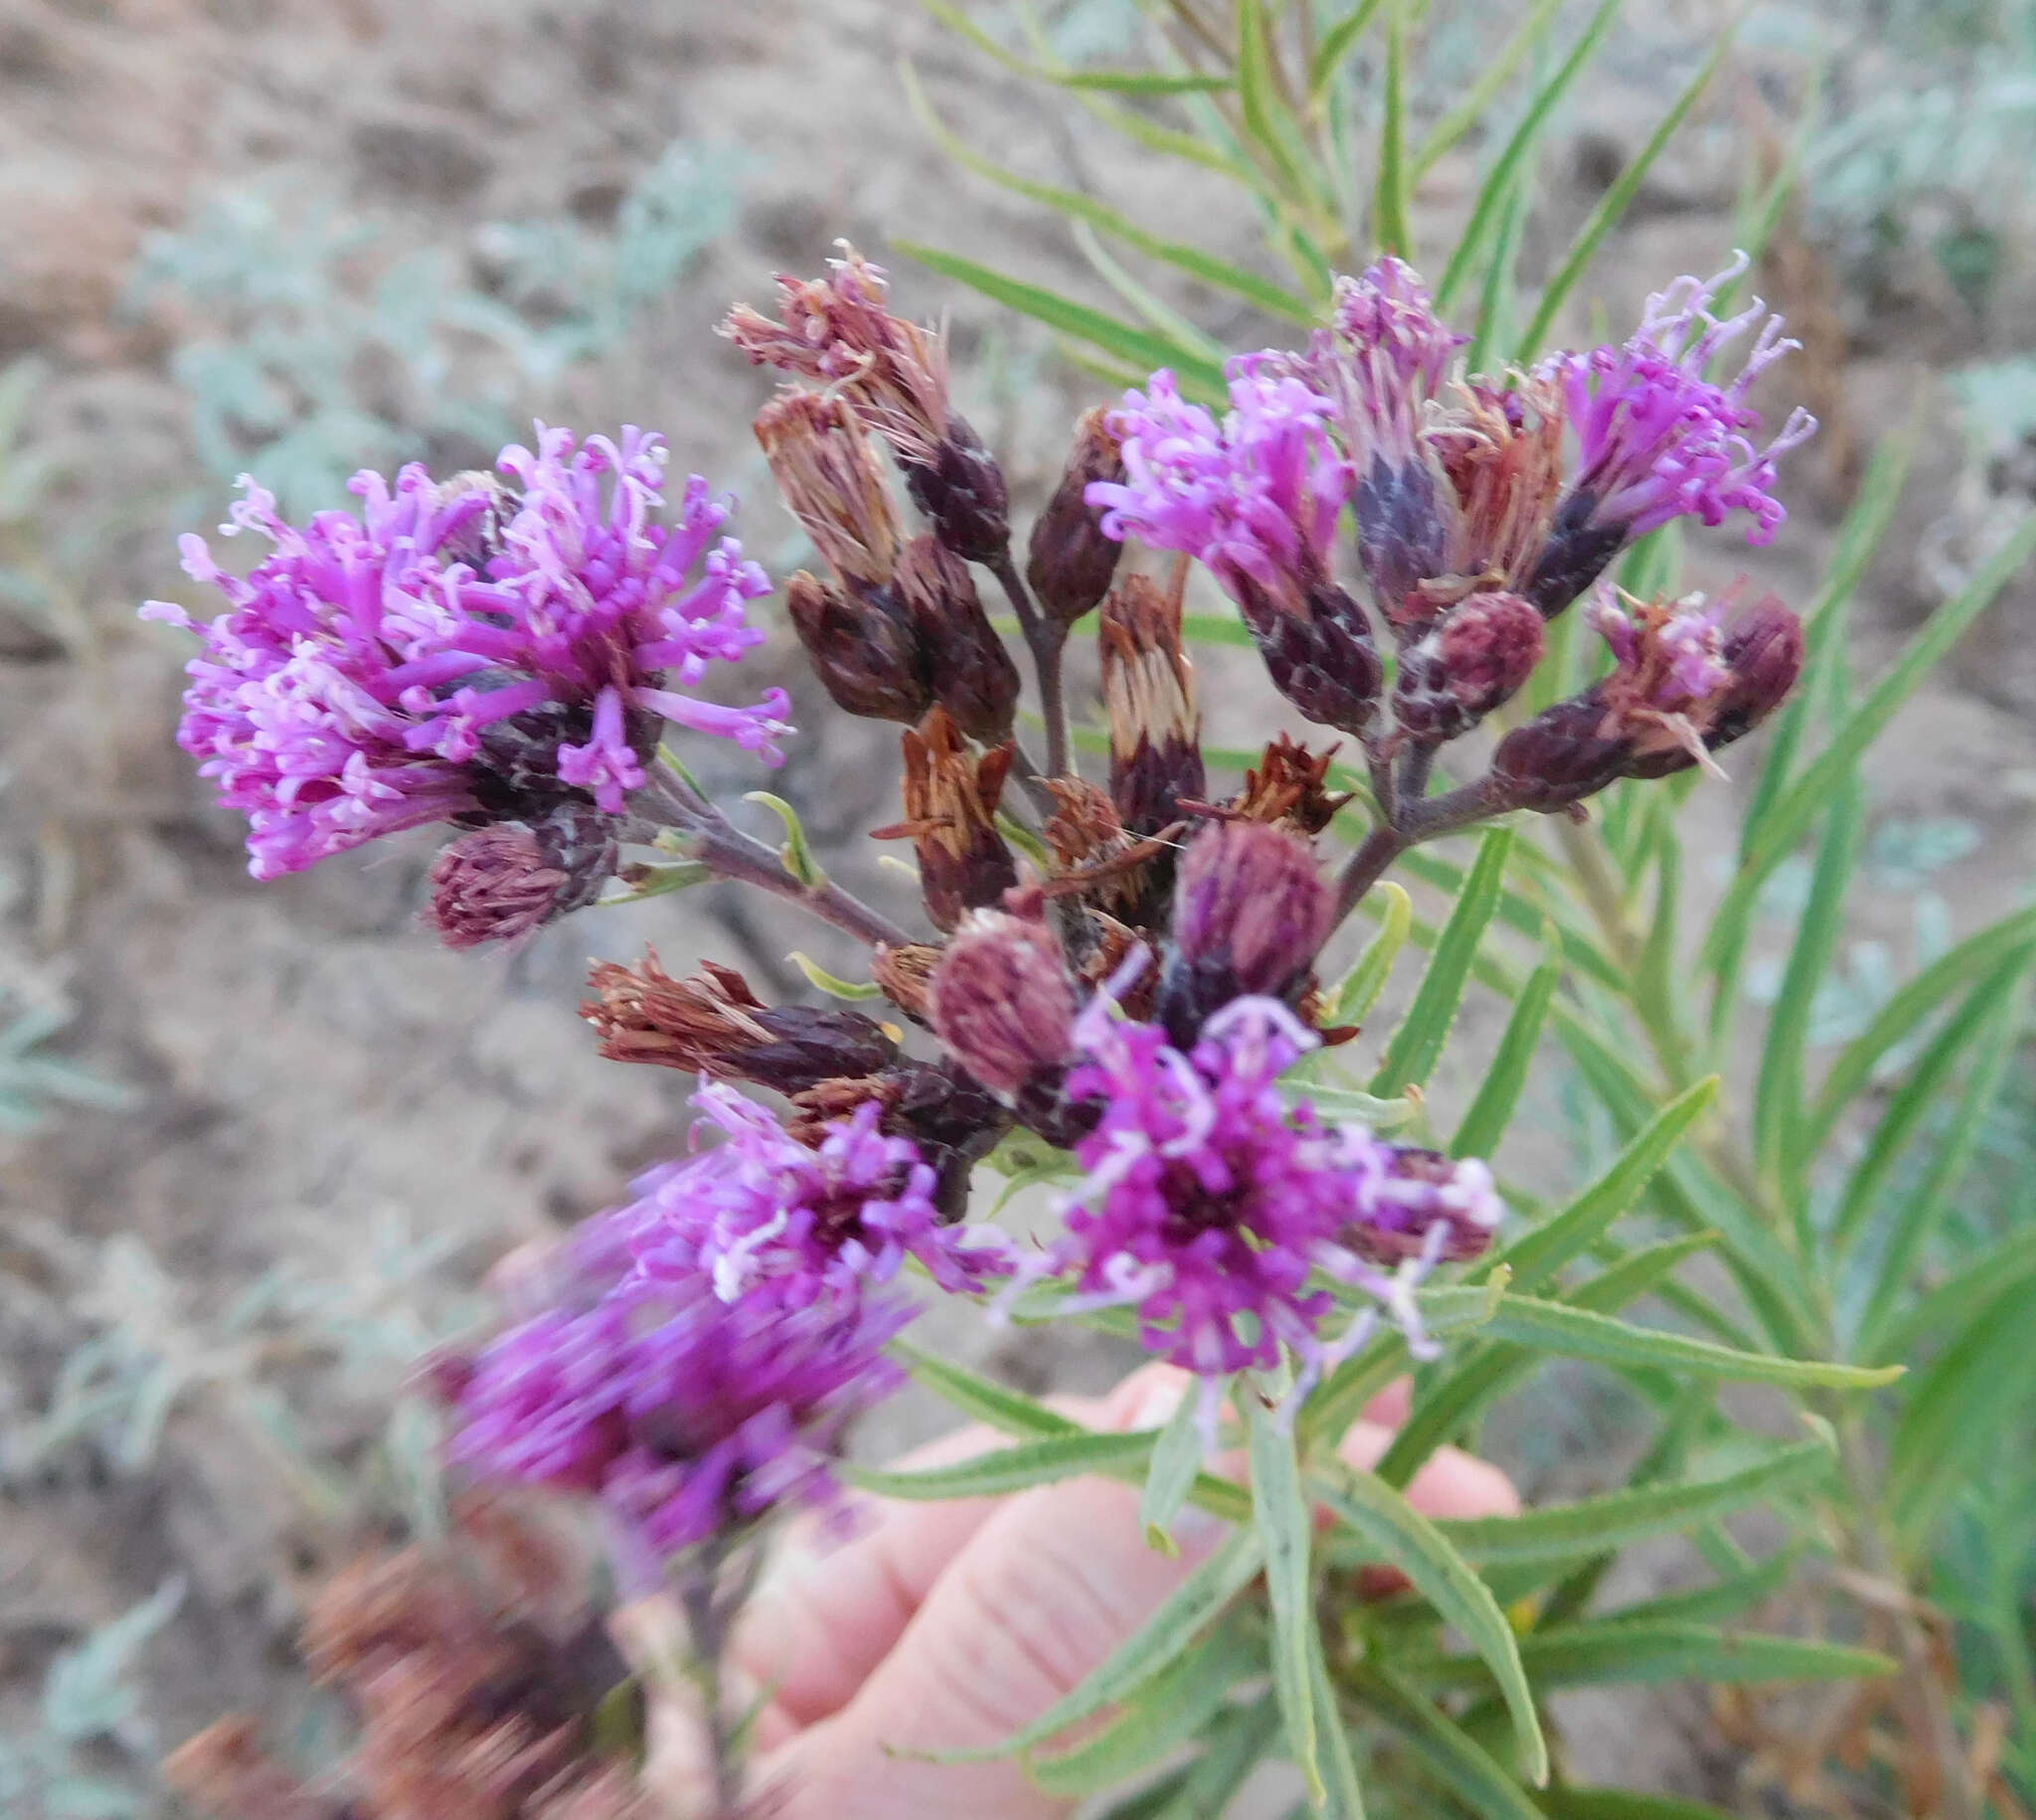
(951, 809)
(906, 974)
(829, 475)
(815, 1107)
(1503, 454)
(1148, 692)
(469, 1708)
(714, 1024)
(1291, 785)
(1100, 862)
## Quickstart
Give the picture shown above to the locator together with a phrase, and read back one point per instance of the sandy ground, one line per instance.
(315, 1085)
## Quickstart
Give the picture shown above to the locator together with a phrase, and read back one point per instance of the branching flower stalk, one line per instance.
(1131, 991)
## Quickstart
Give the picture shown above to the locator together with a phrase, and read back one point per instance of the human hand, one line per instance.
(948, 1626)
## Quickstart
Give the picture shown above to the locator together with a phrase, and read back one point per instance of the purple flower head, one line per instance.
(1658, 440)
(1212, 1199)
(686, 1415)
(1670, 672)
(811, 1223)
(1389, 357)
(1256, 498)
(463, 651)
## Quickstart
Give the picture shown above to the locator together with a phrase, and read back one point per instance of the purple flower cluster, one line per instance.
(1660, 440)
(1212, 1200)
(1256, 498)
(761, 1207)
(1448, 496)
(695, 1356)
(466, 651)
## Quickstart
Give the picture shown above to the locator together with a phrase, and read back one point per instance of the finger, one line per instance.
(1047, 1588)
(1391, 1406)
(1450, 1483)
(830, 1607)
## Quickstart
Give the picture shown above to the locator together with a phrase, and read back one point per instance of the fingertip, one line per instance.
(1457, 1484)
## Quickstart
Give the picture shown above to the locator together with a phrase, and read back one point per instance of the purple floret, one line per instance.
(1661, 440)
(463, 650)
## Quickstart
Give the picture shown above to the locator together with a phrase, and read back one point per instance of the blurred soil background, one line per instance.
(263, 1140)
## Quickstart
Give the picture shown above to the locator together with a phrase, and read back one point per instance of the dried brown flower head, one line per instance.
(1148, 692)
(829, 473)
(951, 809)
(1291, 785)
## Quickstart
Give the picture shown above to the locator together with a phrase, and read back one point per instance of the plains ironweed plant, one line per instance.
(1113, 988)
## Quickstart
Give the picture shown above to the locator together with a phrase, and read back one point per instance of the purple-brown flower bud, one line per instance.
(827, 469)
(1402, 537)
(1002, 1001)
(1480, 654)
(963, 493)
(1148, 692)
(972, 675)
(504, 883)
(1320, 654)
(1071, 560)
(861, 648)
(950, 810)
(1251, 911)
(1560, 757)
(714, 1024)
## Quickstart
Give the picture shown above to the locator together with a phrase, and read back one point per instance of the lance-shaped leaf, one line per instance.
(1045, 1461)
(1609, 1652)
(1004, 1408)
(1596, 1524)
(1359, 992)
(1401, 1536)
(1417, 1044)
(1491, 1112)
(1286, 1528)
(1443, 1748)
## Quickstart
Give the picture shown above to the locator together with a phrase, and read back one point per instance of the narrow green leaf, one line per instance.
(1045, 1461)
(1417, 1044)
(1797, 807)
(1853, 1071)
(1444, 1749)
(1362, 985)
(1572, 1803)
(1778, 1101)
(1577, 1334)
(1403, 1538)
(1963, 1298)
(1205, 268)
(1140, 347)
(1967, 1405)
(1196, 1602)
(1146, 303)
(1499, 295)
(1607, 1651)
(1237, 1744)
(1924, 1090)
(1594, 1526)
(1285, 1527)
(1536, 1257)
(1613, 205)
(1729, 1598)
(1488, 212)
(1007, 1411)
(1267, 120)
(1336, 44)
(1176, 1462)
(854, 991)
(1170, 1709)
(1388, 205)
(1522, 914)
(1495, 74)
(1492, 1110)
(1335, 1763)
(644, 881)
(1915, 1220)
(1447, 1407)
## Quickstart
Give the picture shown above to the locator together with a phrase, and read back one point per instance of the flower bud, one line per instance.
(827, 469)
(1002, 1001)
(950, 810)
(1251, 911)
(974, 676)
(1320, 654)
(1765, 653)
(504, 883)
(963, 494)
(1561, 756)
(861, 648)
(714, 1024)
(1149, 691)
(1072, 561)
(1478, 655)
